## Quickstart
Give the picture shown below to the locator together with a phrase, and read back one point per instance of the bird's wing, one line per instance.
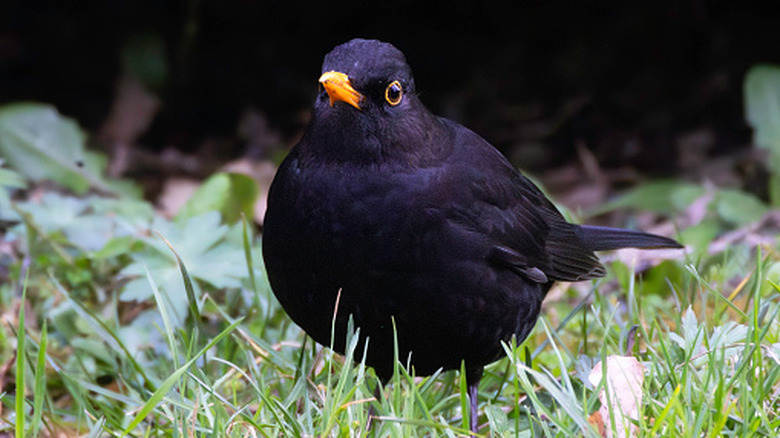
(524, 229)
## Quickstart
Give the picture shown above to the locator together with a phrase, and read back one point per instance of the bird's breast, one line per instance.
(401, 249)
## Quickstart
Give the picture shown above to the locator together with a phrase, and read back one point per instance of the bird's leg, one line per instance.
(472, 381)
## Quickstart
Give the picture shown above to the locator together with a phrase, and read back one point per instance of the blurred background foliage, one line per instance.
(657, 87)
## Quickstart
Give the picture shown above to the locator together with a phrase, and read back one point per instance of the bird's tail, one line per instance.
(604, 238)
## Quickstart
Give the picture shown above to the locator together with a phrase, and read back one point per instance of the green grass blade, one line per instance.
(248, 256)
(166, 385)
(39, 394)
(250, 266)
(104, 332)
(20, 383)
(193, 302)
(163, 306)
(464, 398)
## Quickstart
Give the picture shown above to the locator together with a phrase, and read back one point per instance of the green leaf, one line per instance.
(728, 334)
(93, 347)
(738, 207)
(699, 236)
(39, 142)
(43, 145)
(774, 188)
(204, 246)
(683, 195)
(762, 107)
(166, 276)
(71, 216)
(143, 334)
(114, 248)
(762, 111)
(131, 211)
(8, 180)
(229, 193)
(772, 277)
(665, 196)
(104, 226)
(692, 335)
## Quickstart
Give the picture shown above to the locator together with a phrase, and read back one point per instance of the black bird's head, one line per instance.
(367, 108)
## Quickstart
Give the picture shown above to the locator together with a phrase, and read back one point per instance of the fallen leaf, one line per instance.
(621, 396)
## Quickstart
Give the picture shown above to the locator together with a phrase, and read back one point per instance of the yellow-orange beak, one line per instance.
(339, 89)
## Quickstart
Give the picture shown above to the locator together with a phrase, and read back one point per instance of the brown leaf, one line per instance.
(622, 395)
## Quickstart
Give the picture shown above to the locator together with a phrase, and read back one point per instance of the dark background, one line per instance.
(626, 80)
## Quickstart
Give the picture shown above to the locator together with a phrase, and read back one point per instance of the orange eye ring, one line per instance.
(394, 93)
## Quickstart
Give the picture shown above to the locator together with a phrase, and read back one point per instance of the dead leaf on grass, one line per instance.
(621, 395)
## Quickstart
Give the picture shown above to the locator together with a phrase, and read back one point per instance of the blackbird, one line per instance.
(415, 227)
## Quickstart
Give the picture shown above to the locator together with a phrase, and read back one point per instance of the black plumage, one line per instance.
(416, 222)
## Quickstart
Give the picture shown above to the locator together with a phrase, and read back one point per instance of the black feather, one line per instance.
(605, 238)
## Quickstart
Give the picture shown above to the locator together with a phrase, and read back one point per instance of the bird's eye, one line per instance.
(394, 93)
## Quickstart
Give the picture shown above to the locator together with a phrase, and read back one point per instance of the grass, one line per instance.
(706, 332)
